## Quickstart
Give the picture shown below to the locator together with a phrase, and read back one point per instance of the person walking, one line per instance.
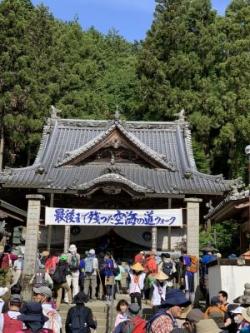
(90, 274)
(80, 318)
(158, 290)
(109, 275)
(122, 309)
(164, 321)
(134, 323)
(59, 279)
(136, 285)
(8, 321)
(33, 318)
(17, 269)
(73, 277)
(43, 295)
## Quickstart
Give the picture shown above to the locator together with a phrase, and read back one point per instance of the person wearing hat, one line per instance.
(8, 321)
(158, 290)
(207, 326)
(80, 316)
(43, 295)
(90, 274)
(167, 266)
(242, 319)
(140, 258)
(73, 277)
(33, 318)
(59, 279)
(192, 318)
(164, 321)
(136, 285)
(151, 264)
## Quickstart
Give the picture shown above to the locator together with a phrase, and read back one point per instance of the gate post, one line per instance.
(31, 242)
(154, 238)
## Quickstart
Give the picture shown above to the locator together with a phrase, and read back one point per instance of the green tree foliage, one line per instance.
(45, 61)
(196, 60)
(223, 236)
(191, 58)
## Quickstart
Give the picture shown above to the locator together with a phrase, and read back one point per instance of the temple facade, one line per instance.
(114, 164)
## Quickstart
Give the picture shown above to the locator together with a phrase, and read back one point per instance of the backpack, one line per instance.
(78, 322)
(74, 264)
(155, 316)
(135, 325)
(89, 267)
(193, 268)
(140, 325)
(167, 268)
(58, 277)
(11, 325)
(6, 261)
(39, 279)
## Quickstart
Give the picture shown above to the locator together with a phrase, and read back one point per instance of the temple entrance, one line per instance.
(111, 242)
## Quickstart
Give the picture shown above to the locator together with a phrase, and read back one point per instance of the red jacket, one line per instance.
(139, 258)
(151, 265)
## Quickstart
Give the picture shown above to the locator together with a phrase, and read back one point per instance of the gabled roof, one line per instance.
(229, 206)
(166, 144)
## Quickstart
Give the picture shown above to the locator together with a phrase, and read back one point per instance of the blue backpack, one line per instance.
(89, 265)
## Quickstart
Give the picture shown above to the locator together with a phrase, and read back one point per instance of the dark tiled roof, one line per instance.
(168, 143)
(222, 209)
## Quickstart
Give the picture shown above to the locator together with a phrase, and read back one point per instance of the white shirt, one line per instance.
(159, 293)
(55, 320)
(136, 287)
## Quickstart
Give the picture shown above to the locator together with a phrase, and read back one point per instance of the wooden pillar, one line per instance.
(66, 238)
(154, 238)
(49, 235)
(31, 242)
(169, 228)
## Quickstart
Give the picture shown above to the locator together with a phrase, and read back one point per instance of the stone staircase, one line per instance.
(102, 312)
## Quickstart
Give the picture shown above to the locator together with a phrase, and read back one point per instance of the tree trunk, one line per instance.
(1, 147)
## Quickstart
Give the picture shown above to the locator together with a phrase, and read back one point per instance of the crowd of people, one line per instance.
(165, 283)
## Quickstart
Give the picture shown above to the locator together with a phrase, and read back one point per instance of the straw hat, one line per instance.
(246, 314)
(161, 276)
(207, 326)
(137, 267)
(45, 253)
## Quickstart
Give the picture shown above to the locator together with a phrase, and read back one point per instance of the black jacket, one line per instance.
(79, 316)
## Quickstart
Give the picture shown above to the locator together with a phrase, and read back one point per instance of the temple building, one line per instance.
(115, 164)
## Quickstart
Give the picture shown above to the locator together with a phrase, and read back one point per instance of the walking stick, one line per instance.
(100, 285)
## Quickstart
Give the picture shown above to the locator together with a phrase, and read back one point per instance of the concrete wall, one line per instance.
(228, 278)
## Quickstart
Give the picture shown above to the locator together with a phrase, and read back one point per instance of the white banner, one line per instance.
(119, 218)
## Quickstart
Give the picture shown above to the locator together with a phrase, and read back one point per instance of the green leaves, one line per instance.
(198, 61)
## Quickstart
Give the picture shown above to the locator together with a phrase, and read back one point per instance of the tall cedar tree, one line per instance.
(45, 61)
(185, 63)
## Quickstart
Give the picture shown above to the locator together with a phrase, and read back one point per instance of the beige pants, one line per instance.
(67, 289)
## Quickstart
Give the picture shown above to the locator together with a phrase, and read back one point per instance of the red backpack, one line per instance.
(139, 325)
(11, 325)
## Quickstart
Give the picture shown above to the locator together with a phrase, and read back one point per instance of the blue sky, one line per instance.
(131, 18)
